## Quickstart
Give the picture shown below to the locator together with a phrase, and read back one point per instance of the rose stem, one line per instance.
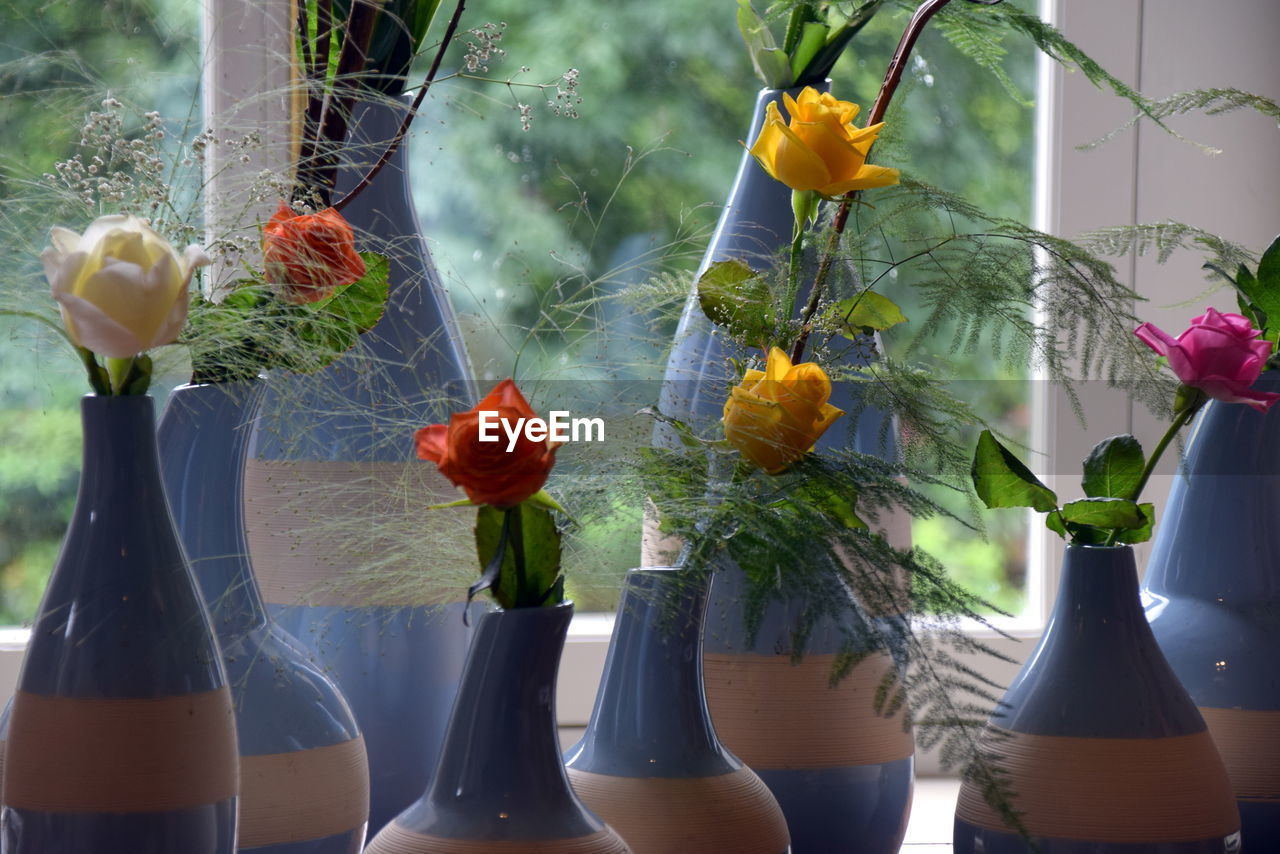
(409, 116)
(892, 77)
(517, 543)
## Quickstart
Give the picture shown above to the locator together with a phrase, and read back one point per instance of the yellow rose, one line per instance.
(774, 417)
(820, 149)
(121, 287)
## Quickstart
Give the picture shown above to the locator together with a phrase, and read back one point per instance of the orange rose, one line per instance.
(308, 257)
(487, 471)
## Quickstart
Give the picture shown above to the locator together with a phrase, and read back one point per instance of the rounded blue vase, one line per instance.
(122, 735)
(650, 763)
(1212, 594)
(304, 777)
(349, 558)
(500, 786)
(858, 783)
(1096, 744)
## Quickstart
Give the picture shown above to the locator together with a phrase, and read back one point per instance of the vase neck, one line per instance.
(650, 718)
(1098, 582)
(121, 580)
(503, 728)
(120, 458)
(203, 437)
(1098, 671)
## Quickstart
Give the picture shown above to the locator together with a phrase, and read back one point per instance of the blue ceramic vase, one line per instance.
(1096, 743)
(304, 780)
(500, 786)
(1212, 594)
(122, 736)
(649, 762)
(857, 783)
(346, 552)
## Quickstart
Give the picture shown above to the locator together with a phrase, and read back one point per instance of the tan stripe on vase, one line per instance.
(354, 534)
(304, 794)
(731, 812)
(1249, 742)
(75, 754)
(394, 839)
(775, 714)
(1114, 790)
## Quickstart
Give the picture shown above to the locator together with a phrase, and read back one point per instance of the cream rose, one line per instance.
(122, 288)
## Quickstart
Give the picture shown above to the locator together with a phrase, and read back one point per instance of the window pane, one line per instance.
(59, 60)
(580, 207)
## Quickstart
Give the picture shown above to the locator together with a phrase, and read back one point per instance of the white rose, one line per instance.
(122, 287)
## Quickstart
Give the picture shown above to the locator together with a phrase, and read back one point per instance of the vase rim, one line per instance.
(93, 399)
(769, 90)
(567, 604)
(1098, 547)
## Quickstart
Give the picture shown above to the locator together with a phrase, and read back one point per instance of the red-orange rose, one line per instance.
(308, 257)
(487, 471)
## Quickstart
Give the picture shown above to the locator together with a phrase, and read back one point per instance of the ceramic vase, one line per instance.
(1096, 743)
(346, 552)
(650, 763)
(1212, 594)
(500, 786)
(857, 784)
(122, 735)
(304, 779)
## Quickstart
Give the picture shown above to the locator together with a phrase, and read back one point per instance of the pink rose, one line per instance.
(1218, 354)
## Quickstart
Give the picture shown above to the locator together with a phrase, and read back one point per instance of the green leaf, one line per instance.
(360, 305)
(1114, 468)
(1103, 513)
(1053, 521)
(813, 36)
(461, 502)
(812, 497)
(543, 499)
(736, 297)
(541, 547)
(770, 63)
(868, 310)
(1269, 270)
(1001, 479)
(1141, 534)
(327, 328)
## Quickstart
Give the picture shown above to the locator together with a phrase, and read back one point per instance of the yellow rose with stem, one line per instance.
(818, 154)
(775, 416)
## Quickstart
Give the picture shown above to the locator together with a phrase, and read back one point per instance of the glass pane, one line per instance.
(580, 207)
(59, 61)
(527, 225)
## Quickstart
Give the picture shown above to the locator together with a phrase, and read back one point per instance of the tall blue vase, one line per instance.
(1097, 744)
(650, 763)
(500, 786)
(304, 779)
(1212, 594)
(856, 784)
(122, 736)
(346, 552)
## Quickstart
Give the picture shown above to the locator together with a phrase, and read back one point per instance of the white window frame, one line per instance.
(1160, 46)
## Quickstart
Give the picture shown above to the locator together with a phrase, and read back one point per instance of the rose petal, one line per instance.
(91, 328)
